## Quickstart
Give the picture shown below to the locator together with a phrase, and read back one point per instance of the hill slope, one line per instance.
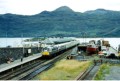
(62, 22)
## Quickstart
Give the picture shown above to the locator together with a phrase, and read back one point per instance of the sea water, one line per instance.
(13, 42)
(16, 42)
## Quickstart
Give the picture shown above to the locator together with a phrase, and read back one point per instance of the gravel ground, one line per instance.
(114, 73)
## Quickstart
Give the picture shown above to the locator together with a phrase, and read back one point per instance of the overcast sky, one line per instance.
(31, 7)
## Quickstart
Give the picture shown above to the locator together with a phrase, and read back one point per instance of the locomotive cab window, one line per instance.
(46, 49)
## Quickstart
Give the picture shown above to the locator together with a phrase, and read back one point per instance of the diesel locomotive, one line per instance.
(52, 50)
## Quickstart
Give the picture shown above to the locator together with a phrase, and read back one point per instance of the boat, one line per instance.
(92, 48)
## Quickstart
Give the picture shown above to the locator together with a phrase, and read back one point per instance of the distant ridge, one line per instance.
(63, 21)
(64, 9)
(97, 11)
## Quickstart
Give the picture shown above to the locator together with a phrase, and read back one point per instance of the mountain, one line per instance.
(63, 9)
(62, 22)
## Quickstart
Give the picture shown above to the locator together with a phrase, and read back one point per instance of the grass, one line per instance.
(65, 70)
(103, 70)
(94, 57)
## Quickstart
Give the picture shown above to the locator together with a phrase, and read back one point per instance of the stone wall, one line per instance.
(17, 53)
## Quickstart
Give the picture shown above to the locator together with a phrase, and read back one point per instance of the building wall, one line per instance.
(16, 53)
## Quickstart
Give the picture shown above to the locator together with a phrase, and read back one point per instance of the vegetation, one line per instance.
(103, 70)
(64, 70)
(62, 22)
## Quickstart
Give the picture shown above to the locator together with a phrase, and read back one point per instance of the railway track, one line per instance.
(111, 61)
(45, 66)
(27, 72)
(16, 72)
(89, 73)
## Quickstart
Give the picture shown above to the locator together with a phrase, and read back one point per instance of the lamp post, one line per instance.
(38, 44)
(22, 48)
(6, 39)
(85, 36)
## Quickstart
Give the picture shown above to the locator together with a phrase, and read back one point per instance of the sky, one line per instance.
(32, 7)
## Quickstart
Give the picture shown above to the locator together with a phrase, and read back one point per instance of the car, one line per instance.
(105, 52)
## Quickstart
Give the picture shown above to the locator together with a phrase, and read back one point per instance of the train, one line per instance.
(53, 50)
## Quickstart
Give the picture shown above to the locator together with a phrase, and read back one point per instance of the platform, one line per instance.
(6, 66)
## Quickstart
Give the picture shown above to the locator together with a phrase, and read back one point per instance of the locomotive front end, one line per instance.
(46, 52)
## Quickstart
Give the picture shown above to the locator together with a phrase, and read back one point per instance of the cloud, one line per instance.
(29, 7)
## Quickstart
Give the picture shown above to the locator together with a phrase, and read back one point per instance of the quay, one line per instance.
(111, 50)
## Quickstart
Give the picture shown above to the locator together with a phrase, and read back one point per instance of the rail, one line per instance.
(11, 74)
(114, 48)
(111, 61)
(86, 74)
(82, 75)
